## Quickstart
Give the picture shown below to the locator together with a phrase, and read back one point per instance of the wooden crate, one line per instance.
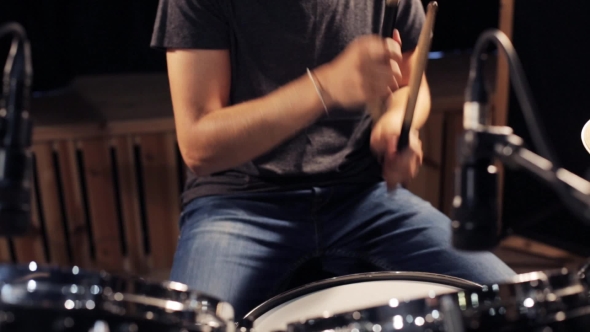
(105, 197)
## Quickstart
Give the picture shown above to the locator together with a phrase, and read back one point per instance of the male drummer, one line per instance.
(284, 161)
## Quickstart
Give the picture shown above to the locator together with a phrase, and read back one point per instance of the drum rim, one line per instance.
(358, 277)
(168, 299)
(102, 277)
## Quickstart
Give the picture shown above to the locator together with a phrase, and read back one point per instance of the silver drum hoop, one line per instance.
(78, 291)
(554, 300)
(281, 302)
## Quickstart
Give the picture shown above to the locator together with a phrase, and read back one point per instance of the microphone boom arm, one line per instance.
(475, 210)
(500, 143)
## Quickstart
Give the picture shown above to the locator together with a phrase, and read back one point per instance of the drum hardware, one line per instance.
(78, 300)
(347, 294)
(475, 222)
(538, 301)
(100, 326)
(499, 142)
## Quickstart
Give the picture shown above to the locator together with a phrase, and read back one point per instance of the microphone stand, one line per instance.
(499, 142)
(481, 143)
(15, 135)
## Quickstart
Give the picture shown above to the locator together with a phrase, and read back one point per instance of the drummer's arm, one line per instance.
(396, 104)
(390, 123)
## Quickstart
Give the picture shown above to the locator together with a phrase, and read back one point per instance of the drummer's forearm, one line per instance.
(399, 99)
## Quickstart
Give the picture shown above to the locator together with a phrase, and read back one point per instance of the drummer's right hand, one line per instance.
(366, 70)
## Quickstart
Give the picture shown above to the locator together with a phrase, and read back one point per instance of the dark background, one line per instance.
(112, 36)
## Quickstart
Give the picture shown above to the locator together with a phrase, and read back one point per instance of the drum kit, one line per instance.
(34, 297)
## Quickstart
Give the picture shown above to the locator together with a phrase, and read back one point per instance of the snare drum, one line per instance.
(34, 298)
(348, 293)
(551, 301)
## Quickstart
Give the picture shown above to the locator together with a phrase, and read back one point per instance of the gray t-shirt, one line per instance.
(271, 43)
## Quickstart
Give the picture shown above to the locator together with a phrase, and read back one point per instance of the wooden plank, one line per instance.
(427, 183)
(30, 247)
(130, 204)
(107, 98)
(453, 128)
(74, 205)
(432, 138)
(525, 255)
(4, 251)
(538, 248)
(102, 130)
(522, 262)
(47, 184)
(452, 103)
(161, 196)
(102, 204)
(502, 91)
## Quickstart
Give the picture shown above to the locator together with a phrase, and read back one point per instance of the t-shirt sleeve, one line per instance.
(198, 24)
(410, 18)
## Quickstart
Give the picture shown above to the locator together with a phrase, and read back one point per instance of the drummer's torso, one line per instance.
(273, 43)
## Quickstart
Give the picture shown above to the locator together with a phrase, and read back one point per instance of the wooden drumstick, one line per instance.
(378, 108)
(418, 70)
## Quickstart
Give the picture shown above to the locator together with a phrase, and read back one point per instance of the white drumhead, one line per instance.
(347, 298)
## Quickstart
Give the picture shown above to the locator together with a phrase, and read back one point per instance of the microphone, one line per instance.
(586, 136)
(15, 136)
(475, 210)
(475, 222)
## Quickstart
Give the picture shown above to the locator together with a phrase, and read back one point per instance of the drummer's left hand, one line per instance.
(398, 167)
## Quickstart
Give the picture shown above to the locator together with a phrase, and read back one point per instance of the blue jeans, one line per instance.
(242, 248)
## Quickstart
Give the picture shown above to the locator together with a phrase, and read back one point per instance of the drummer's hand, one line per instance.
(398, 167)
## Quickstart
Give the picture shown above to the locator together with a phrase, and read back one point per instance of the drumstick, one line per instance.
(418, 69)
(389, 18)
(377, 107)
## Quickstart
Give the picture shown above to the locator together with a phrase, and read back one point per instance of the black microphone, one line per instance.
(475, 209)
(15, 136)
